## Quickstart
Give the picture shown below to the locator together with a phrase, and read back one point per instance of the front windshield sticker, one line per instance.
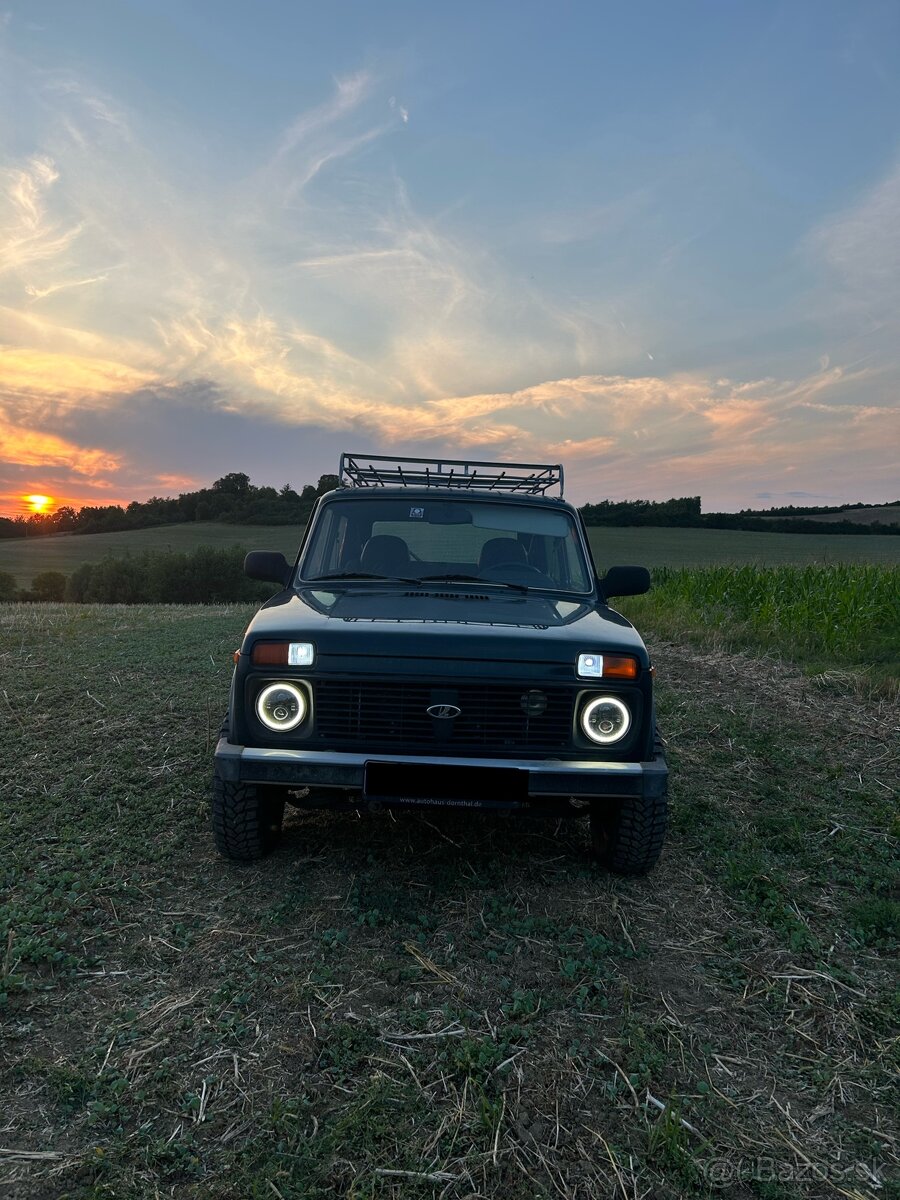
(417, 513)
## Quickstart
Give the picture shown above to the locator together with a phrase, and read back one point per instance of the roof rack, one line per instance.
(379, 470)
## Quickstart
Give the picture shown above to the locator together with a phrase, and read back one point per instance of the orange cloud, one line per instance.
(70, 376)
(33, 448)
(177, 482)
(589, 448)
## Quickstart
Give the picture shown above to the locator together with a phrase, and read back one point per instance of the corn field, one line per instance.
(848, 614)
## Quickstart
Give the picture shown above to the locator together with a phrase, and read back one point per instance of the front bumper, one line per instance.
(549, 778)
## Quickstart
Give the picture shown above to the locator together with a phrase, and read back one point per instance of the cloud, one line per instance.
(349, 92)
(41, 293)
(70, 377)
(98, 107)
(369, 308)
(20, 446)
(29, 238)
(862, 244)
(325, 134)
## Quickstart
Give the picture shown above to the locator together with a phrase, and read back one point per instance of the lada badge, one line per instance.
(443, 710)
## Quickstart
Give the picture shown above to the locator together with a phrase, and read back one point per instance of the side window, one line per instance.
(336, 550)
(574, 562)
(329, 544)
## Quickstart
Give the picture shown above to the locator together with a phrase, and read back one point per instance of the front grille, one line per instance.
(392, 714)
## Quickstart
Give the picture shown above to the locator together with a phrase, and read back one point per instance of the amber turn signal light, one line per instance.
(619, 666)
(270, 654)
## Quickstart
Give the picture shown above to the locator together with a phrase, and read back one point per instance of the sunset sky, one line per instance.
(657, 241)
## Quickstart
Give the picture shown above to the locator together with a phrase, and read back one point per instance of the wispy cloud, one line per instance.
(29, 238)
(862, 244)
(349, 93)
(354, 117)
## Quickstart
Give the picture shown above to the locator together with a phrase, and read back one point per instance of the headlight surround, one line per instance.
(282, 706)
(606, 666)
(283, 654)
(605, 720)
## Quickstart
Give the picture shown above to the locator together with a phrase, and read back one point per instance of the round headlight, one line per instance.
(605, 720)
(281, 706)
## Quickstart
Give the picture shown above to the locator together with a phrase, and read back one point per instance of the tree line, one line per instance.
(233, 499)
(685, 512)
(206, 575)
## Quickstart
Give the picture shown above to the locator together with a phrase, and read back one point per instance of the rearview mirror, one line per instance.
(625, 581)
(268, 566)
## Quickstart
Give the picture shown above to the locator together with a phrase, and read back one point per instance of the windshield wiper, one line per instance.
(360, 575)
(519, 587)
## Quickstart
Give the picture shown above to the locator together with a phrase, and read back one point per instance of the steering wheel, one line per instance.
(513, 572)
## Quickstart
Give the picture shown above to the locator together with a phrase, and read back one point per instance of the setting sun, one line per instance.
(38, 504)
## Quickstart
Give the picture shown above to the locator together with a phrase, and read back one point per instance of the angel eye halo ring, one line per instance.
(605, 720)
(282, 706)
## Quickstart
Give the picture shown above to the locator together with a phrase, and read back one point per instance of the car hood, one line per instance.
(411, 622)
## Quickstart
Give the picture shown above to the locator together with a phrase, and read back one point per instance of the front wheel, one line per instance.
(627, 837)
(246, 819)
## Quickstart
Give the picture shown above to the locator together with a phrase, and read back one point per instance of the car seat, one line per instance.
(501, 550)
(385, 554)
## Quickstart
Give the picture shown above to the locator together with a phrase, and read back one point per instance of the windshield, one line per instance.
(416, 539)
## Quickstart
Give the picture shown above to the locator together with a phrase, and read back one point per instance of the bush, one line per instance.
(207, 575)
(49, 585)
(8, 588)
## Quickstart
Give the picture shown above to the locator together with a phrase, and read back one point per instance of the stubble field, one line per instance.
(441, 1004)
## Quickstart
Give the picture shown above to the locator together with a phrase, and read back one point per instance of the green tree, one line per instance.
(8, 588)
(49, 585)
(235, 483)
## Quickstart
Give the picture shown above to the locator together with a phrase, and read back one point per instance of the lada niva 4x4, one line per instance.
(443, 639)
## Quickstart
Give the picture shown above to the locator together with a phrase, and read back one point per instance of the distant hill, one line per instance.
(886, 514)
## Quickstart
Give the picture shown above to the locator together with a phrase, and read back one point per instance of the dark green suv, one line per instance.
(443, 640)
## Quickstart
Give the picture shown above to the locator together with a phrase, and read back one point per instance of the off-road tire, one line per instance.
(246, 819)
(627, 835)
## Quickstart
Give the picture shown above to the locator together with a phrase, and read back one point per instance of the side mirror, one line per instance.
(625, 581)
(268, 566)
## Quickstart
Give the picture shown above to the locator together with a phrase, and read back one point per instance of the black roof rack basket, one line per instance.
(379, 470)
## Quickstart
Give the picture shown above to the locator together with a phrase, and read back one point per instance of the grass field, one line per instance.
(439, 1005)
(25, 558)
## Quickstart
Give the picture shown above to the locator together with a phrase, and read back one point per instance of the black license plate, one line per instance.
(445, 785)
